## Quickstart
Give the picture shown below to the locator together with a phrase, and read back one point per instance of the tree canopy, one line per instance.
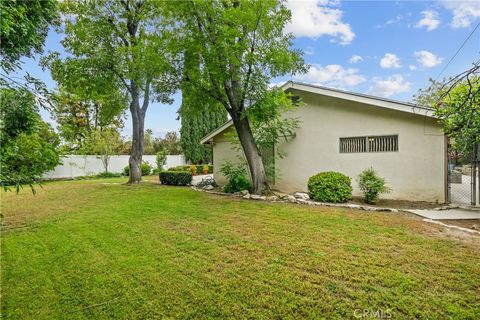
(24, 26)
(121, 51)
(29, 145)
(241, 46)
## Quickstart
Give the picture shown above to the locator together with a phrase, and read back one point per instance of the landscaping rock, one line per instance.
(208, 187)
(244, 192)
(247, 196)
(257, 197)
(291, 198)
(301, 195)
(272, 198)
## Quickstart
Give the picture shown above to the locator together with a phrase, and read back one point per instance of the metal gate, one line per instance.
(463, 177)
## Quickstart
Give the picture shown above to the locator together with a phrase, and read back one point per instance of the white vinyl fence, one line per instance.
(77, 165)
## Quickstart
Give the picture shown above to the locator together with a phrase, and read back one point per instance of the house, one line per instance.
(349, 132)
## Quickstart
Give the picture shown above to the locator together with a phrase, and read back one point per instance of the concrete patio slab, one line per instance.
(451, 214)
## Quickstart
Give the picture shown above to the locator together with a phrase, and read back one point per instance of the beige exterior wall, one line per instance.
(415, 172)
(223, 152)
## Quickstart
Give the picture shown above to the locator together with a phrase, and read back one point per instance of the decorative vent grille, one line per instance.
(369, 144)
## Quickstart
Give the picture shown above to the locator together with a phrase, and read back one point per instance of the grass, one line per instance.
(96, 249)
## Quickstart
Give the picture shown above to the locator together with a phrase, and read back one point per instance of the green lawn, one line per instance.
(96, 250)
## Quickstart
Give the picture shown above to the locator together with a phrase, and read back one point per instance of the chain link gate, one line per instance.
(463, 178)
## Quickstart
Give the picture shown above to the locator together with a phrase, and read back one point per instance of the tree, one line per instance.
(28, 144)
(456, 102)
(460, 114)
(119, 49)
(104, 143)
(195, 126)
(23, 28)
(198, 117)
(171, 143)
(241, 46)
(149, 142)
(77, 119)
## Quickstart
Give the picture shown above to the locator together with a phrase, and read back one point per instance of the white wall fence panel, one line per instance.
(77, 165)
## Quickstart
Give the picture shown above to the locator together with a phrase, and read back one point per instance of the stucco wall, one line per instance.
(223, 152)
(415, 172)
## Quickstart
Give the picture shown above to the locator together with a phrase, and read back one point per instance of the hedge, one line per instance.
(176, 178)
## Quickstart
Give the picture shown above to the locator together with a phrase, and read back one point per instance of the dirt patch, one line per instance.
(397, 204)
(473, 224)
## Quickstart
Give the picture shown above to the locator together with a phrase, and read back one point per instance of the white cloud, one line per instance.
(395, 20)
(412, 67)
(464, 12)
(430, 20)
(333, 75)
(390, 60)
(316, 18)
(427, 59)
(389, 86)
(309, 50)
(355, 58)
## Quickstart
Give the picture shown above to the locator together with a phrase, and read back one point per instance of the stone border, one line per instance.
(292, 199)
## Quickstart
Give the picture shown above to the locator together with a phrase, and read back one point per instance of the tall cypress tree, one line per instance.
(199, 116)
(197, 124)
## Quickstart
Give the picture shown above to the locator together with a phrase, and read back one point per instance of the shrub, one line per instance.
(236, 176)
(108, 175)
(160, 159)
(176, 178)
(146, 169)
(330, 187)
(371, 185)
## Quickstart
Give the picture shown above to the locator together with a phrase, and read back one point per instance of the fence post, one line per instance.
(474, 177)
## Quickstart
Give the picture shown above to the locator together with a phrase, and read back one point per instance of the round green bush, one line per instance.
(330, 186)
(146, 169)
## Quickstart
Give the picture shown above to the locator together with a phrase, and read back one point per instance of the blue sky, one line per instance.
(384, 48)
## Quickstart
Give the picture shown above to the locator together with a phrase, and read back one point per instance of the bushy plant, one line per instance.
(237, 179)
(146, 169)
(160, 159)
(330, 186)
(176, 178)
(108, 175)
(372, 185)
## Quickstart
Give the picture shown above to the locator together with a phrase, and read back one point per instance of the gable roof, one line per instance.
(344, 95)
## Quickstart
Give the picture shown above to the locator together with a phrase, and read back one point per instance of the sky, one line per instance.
(383, 48)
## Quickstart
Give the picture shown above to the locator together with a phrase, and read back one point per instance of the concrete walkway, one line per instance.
(450, 214)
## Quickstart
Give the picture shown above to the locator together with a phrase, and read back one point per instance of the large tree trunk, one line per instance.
(138, 121)
(252, 154)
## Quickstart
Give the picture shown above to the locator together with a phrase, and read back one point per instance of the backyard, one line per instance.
(99, 249)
